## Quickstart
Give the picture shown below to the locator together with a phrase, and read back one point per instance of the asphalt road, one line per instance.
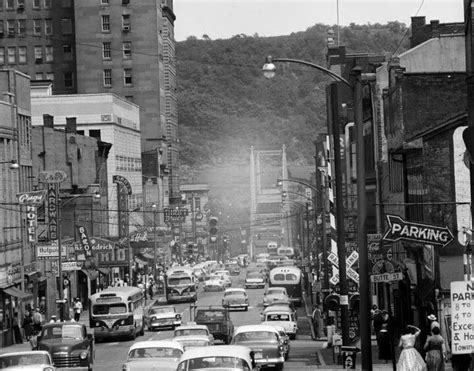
(111, 355)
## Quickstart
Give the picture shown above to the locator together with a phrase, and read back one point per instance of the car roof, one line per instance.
(44, 352)
(253, 328)
(235, 289)
(276, 326)
(279, 288)
(217, 351)
(192, 337)
(156, 344)
(190, 327)
(278, 309)
(64, 323)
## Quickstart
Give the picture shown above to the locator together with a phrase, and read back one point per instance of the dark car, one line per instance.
(68, 343)
(217, 320)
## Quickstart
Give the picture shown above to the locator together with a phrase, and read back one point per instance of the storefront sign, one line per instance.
(71, 266)
(34, 198)
(400, 229)
(49, 251)
(462, 317)
(105, 252)
(31, 223)
(84, 240)
(52, 212)
(14, 272)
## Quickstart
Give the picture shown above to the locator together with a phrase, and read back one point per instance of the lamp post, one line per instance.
(155, 207)
(13, 164)
(269, 70)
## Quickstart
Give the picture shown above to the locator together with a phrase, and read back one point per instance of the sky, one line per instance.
(222, 19)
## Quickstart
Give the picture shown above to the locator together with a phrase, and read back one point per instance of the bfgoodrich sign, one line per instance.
(400, 229)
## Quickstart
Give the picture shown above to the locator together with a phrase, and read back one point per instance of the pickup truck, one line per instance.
(69, 345)
(217, 319)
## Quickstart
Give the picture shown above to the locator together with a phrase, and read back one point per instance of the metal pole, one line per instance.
(180, 251)
(154, 244)
(340, 230)
(364, 280)
(60, 263)
(307, 231)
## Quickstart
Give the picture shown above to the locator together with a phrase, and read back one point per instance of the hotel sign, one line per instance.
(400, 229)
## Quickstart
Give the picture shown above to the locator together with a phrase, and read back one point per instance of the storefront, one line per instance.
(11, 300)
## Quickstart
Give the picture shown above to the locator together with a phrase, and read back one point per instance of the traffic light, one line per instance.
(354, 302)
(213, 221)
(332, 302)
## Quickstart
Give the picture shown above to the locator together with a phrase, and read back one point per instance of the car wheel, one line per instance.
(292, 336)
(246, 309)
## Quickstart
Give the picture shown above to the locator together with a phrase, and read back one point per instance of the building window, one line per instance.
(36, 4)
(11, 55)
(395, 174)
(2, 56)
(48, 4)
(94, 134)
(68, 80)
(197, 203)
(66, 26)
(48, 26)
(22, 54)
(10, 27)
(1, 6)
(10, 5)
(39, 76)
(105, 23)
(104, 2)
(127, 50)
(48, 52)
(21, 4)
(21, 27)
(125, 2)
(126, 22)
(106, 54)
(67, 52)
(37, 26)
(24, 130)
(50, 76)
(1, 26)
(127, 76)
(38, 54)
(107, 77)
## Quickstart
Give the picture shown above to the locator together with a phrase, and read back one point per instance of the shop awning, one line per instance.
(32, 274)
(104, 271)
(13, 291)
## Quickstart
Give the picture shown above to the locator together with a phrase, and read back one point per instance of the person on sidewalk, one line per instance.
(16, 329)
(37, 320)
(410, 359)
(77, 309)
(317, 318)
(27, 325)
(384, 344)
(435, 348)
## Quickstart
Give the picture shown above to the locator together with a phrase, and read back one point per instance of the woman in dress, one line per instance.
(435, 348)
(385, 346)
(410, 359)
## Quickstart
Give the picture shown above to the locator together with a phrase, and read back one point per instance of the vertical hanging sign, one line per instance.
(52, 211)
(123, 190)
(31, 200)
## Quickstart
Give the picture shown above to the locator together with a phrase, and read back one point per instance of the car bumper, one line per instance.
(213, 288)
(270, 362)
(236, 306)
(170, 323)
(101, 333)
(249, 285)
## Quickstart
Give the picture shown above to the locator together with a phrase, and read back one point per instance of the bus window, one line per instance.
(290, 277)
(279, 277)
(101, 309)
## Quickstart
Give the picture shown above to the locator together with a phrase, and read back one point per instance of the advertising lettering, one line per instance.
(462, 317)
(35, 198)
(52, 212)
(84, 238)
(31, 223)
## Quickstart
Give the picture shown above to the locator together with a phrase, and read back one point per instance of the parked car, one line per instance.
(235, 298)
(164, 316)
(254, 279)
(274, 294)
(193, 329)
(214, 284)
(219, 357)
(32, 360)
(217, 319)
(162, 355)
(265, 343)
(282, 316)
(68, 343)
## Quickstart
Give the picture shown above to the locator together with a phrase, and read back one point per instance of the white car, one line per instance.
(215, 283)
(281, 316)
(36, 360)
(223, 276)
(254, 279)
(162, 355)
(235, 298)
(274, 294)
(162, 316)
(192, 328)
(193, 341)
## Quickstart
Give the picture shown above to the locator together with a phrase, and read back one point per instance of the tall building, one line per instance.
(103, 46)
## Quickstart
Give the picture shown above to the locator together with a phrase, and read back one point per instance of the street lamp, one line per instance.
(154, 207)
(269, 70)
(13, 164)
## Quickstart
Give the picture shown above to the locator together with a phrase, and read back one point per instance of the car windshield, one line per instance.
(235, 293)
(64, 332)
(190, 331)
(275, 291)
(221, 363)
(254, 275)
(174, 281)
(255, 336)
(103, 309)
(154, 352)
(161, 310)
(210, 315)
(7, 361)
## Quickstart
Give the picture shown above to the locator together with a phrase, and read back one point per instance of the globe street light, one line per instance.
(14, 165)
(269, 70)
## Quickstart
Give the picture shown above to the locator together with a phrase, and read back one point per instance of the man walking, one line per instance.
(317, 318)
(77, 309)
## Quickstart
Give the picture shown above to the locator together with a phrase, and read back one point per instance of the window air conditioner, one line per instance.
(126, 28)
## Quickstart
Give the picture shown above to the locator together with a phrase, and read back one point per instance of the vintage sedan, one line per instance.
(254, 279)
(265, 343)
(235, 298)
(160, 355)
(274, 294)
(37, 360)
(218, 357)
(223, 276)
(192, 328)
(193, 341)
(285, 339)
(282, 316)
(164, 316)
(214, 283)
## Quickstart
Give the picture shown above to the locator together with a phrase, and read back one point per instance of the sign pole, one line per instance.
(60, 263)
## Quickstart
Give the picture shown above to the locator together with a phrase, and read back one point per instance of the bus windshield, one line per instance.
(179, 281)
(103, 309)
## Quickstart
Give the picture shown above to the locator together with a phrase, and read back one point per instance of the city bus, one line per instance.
(180, 284)
(286, 251)
(272, 247)
(291, 279)
(117, 312)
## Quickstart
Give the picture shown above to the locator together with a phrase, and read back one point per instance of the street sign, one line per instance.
(198, 216)
(52, 176)
(175, 215)
(386, 277)
(351, 273)
(400, 229)
(462, 317)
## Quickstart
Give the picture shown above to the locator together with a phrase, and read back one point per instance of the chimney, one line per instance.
(48, 121)
(418, 31)
(435, 32)
(71, 126)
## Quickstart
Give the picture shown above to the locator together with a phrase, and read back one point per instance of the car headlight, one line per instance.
(84, 354)
(48, 369)
(178, 316)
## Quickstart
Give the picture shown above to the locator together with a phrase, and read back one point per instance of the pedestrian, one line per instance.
(432, 322)
(317, 318)
(384, 343)
(16, 329)
(462, 362)
(410, 359)
(435, 348)
(77, 309)
(37, 320)
(34, 340)
(27, 325)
